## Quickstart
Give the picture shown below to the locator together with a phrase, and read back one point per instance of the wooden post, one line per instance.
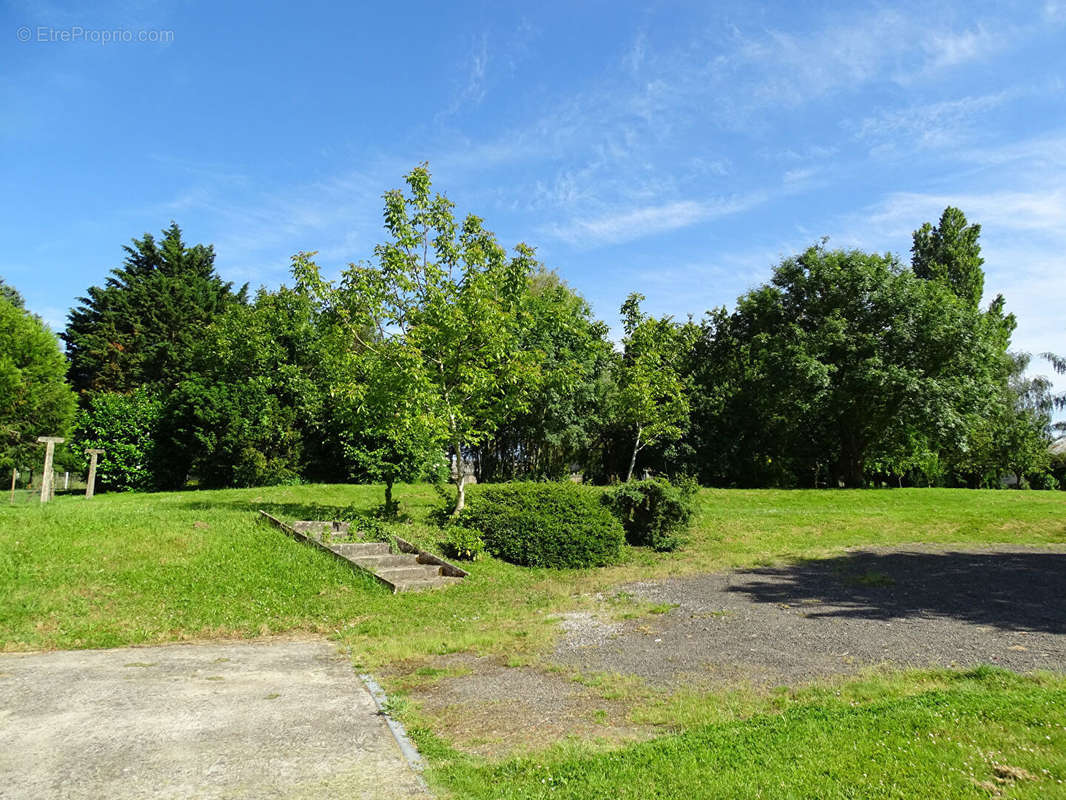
(47, 476)
(14, 475)
(90, 485)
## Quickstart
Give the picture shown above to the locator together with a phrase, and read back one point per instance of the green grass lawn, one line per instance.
(986, 733)
(150, 568)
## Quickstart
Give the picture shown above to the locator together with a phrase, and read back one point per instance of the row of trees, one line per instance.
(447, 354)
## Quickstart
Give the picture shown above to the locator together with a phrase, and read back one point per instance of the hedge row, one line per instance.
(545, 524)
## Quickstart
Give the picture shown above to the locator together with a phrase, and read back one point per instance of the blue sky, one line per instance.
(679, 149)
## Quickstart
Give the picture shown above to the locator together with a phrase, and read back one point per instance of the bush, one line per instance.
(124, 426)
(1045, 480)
(655, 513)
(544, 525)
(462, 543)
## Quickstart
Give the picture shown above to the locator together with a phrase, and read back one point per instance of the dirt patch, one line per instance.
(494, 710)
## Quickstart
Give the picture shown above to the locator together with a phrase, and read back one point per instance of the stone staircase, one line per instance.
(409, 570)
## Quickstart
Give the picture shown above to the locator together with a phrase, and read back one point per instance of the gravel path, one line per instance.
(916, 607)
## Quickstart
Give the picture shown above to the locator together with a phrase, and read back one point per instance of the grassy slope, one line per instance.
(128, 569)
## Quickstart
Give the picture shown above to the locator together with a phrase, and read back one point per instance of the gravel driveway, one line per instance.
(258, 720)
(915, 607)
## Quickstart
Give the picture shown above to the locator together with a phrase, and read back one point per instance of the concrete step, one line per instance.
(319, 528)
(360, 549)
(384, 562)
(410, 570)
(422, 585)
(413, 572)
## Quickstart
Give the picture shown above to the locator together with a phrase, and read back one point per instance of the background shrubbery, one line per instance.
(545, 525)
(655, 513)
(124, 426)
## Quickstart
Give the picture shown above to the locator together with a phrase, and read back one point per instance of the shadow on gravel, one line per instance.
(1009, 590)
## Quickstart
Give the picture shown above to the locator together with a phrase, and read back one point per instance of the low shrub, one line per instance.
(544, 525)
(462, 543)
(655, 513)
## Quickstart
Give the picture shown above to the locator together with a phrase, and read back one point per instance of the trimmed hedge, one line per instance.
(545, 525)
(655, 513)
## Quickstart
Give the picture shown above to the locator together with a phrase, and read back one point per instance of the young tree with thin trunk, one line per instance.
(439, 318)
(650, 399)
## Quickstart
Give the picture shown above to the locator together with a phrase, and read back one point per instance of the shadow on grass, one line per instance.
(1013, 590)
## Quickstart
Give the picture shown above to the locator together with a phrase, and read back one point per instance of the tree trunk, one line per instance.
(460, 494)
(460, 480)
(390, 509)
(852, 459)
(633, 458)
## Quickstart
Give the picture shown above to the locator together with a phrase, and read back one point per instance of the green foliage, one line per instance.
(11, 294)
(34, 397)
(562, 423)
(844, 358)
(139, 328)
(438, 322)
(545, 525)
(253, 410)
(649, 398)
(950, 253)
(461, 542)
(655, 512)
(125, 428)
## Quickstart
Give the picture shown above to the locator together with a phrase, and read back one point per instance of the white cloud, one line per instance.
(1040, 211)
(634, 223)
(954, 48)
(931, 125)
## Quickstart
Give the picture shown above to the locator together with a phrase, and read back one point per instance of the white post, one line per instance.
(90, 485)
(47, 474)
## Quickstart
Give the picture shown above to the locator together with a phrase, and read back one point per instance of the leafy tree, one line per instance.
(950, 253)
(10, 293)
(35, 400)
(442, 309)
(563, 422)
(253, 409)
(379, 404)
(1011, 435)
(1058, 401)
(650, 398)
(841, 353)
(138, 329)
(125, 427)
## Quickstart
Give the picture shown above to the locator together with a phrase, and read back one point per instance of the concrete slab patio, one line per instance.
(281, 719)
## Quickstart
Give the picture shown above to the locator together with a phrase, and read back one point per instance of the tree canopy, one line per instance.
(842, 355)
(139, 328)
(448, 353)
(35, 400)
(440, 314)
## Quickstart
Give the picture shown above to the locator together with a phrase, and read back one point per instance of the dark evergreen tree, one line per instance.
(138, 329)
